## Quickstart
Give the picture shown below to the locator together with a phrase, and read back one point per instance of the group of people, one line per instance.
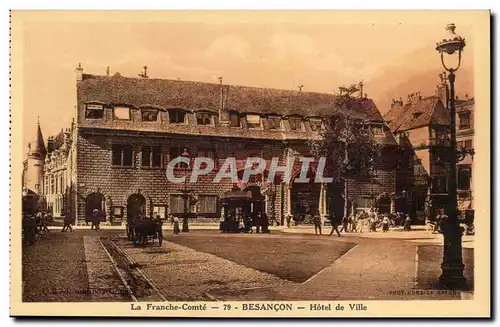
(355, 222)
(245, 223)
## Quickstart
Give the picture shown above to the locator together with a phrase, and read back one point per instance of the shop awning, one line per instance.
(463, 205)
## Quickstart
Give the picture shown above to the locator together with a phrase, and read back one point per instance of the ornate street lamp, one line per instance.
(452, 267)
(185, 195)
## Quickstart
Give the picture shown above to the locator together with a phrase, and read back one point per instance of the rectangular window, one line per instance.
(159, 210)
(151, 156)
(234, 119)
(122, 155)
(94, 111)
(207, 204)
(176, 151)
(440, 184)
(203, 118)
(295, 124)
(149, 115)
(176, 203)
(52, 184)
(315, 124)
(253, 121)
(122, 113)
(464, 120)
(274, 123)
(208, 153)
(177, 116)
(464, 177)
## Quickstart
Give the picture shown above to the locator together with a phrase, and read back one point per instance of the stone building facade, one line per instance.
(128, 129)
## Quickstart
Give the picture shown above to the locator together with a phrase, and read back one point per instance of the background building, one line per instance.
(422, 127)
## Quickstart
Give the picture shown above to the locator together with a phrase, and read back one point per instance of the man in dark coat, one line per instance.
(335, 222)
(317, 224)
(265, 223)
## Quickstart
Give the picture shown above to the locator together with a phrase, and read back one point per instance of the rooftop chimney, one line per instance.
(144, 74)
(396, 103)
(79, 72)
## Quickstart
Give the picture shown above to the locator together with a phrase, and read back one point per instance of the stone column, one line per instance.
(288, 198)
(393, 205)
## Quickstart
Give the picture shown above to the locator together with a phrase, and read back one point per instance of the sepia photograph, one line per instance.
(250, 164)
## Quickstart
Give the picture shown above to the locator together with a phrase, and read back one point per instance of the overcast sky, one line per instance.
(320, 55)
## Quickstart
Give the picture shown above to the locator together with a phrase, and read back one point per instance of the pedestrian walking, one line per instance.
(288, 221)
(176, 228)
(221, 224)
(385, 224)
(95, 220)
(265, 223)
(407, 223)
(258, 222)
(345, 224)
(335, 224)
(67, 223)
(317, 224)
(439, 218)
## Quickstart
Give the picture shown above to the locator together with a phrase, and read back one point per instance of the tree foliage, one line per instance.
(345, 126)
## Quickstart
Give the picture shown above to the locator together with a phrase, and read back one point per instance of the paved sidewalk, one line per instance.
(370, 271)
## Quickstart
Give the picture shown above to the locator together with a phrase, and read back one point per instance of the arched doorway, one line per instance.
(95, 201)
(136, 204)
(384, 204)
(304, 197)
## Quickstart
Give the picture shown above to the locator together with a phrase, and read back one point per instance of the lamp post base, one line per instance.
(452, 277)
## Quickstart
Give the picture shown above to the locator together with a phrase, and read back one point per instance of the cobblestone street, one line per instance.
(207, 265)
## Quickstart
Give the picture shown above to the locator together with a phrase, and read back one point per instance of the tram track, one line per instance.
(138, 285)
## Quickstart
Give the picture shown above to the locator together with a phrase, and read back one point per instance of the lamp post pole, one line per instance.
(452, 267)
(185, 196)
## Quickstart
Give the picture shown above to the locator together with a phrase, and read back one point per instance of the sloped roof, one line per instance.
(423, 112)
(192, 95)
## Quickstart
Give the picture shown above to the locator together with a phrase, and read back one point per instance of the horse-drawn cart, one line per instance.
(141, 230)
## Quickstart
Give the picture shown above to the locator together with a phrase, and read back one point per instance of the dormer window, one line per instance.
(234, 119)
(253, 121)
(177, 116)
(122, 113)
(274, 122)
(416, 115)
(316, 124)
(150, 115)
(94, 111)
(295, 123)
(204, 118)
